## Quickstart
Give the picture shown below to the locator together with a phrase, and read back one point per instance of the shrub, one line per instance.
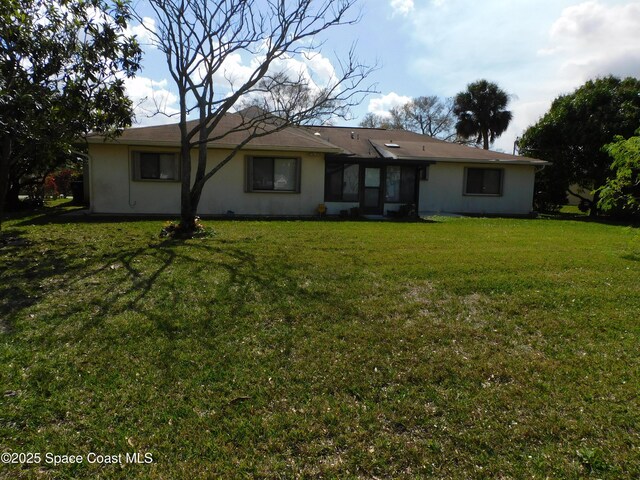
(620, 196)
(50, 186)
(63, 179)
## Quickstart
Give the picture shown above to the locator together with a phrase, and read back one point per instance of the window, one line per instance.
(400, 185)
(273, 174)
(156, 166)
(483, 181)
(341, 182)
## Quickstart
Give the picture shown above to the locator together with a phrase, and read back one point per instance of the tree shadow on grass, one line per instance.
(41, 270)
(66, 217)
(580, 217)
(57, 215)
(47, 211)
(122, 278)
(34, 270)
(23, 272)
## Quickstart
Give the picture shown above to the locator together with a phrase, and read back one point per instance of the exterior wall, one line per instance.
(114, 191)
(444, 191)
(573, 200)
(225, 190)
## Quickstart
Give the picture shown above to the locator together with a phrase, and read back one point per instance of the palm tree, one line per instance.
(481, 112)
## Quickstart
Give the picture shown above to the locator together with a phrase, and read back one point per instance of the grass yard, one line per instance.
(459, 348)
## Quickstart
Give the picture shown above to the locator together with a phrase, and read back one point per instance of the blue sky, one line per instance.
(535, 50)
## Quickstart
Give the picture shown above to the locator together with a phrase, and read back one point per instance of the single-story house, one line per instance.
(293, 171)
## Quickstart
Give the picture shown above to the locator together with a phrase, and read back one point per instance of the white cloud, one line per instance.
(402, 7)
(232, 72)
(587, 40)
(313, 68)
(152, 100)
(155, 103)
(382, 105)
(592, 39)
(321, 67)
(143, 30)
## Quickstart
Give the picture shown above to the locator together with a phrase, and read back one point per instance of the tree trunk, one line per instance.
(485, 139)
(187, 209)
(190, 205)
(593, 211)
(5, 164)
(196, 193)
(12, 197)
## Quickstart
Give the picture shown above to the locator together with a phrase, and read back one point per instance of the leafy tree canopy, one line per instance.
(574, 131)
(481, 112)
(621, 194)
(62, 70)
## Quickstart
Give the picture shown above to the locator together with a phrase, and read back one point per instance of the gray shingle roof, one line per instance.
(364, 143)
(400, 144)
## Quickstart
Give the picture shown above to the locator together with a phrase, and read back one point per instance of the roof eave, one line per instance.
(432, 159)
(217, 146)
(490, 161)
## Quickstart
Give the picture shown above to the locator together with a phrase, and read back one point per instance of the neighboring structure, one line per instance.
(293, 171)
(583, 192)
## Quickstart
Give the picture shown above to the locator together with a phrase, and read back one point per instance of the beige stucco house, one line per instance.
(293, 171)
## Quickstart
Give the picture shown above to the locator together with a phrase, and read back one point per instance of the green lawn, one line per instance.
(457, 348)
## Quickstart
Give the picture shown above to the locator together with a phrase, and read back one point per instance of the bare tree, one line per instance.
(370, 120)
(201, 37)
(432, 116)
(393, 121)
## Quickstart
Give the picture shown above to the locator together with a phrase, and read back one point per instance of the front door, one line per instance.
(371, 198)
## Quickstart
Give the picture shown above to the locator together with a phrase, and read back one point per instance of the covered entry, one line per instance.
(372, 186)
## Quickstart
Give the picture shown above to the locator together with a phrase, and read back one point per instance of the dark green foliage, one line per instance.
(550, 189)
(481, 112)
(621, 194)
(62, 70)
(572, 135)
